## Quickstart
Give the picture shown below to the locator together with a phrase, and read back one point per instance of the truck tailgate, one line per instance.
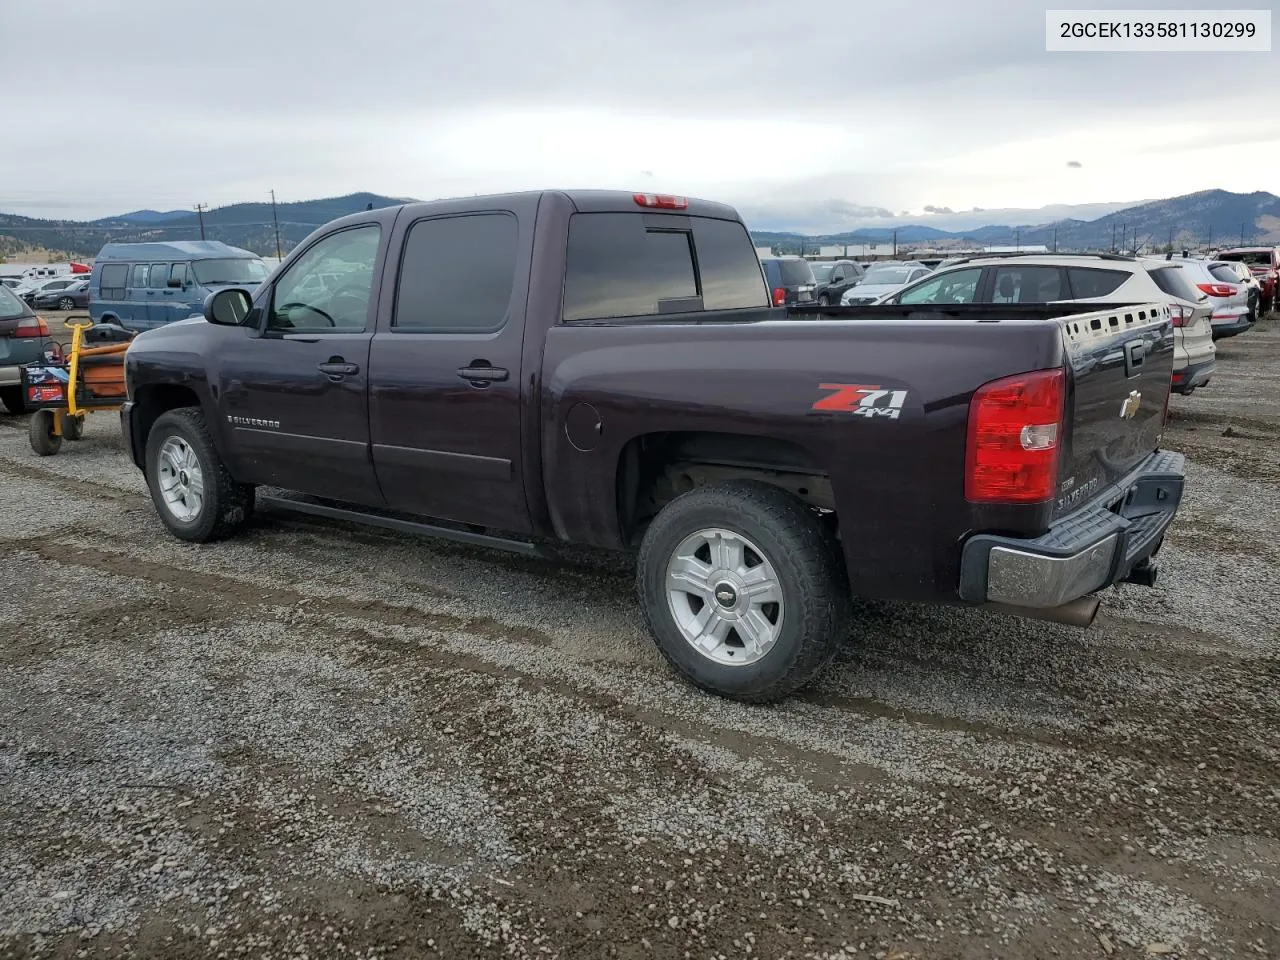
(1120, 364)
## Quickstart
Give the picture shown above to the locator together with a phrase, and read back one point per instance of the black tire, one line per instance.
(73, 428)
(12, 399)
(41, 435)
(226, 506)
(66, 304)
(816, 608)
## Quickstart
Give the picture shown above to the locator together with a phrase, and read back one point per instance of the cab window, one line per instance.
(305, 300)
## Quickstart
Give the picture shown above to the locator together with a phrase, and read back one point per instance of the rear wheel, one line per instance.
(66, 304)
(743, 590)
(73, 427)
(194, 494)
(41, 435)
(11, 397)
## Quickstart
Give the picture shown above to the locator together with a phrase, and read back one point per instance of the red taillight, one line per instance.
(1217, 289)
(32, 327)
(663, 201)
(779, 296)
(1179, 314)
(1014, 438)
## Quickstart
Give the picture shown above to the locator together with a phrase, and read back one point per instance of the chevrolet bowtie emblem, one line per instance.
(1130, 405)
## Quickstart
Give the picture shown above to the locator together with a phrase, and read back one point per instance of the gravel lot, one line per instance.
(320, 740)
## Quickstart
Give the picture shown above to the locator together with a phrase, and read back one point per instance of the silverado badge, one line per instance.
(1130, 405)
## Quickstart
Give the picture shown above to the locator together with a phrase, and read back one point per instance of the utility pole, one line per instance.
(1210, 236)
(1242, 234)
(895, 244)
(1113, 236)
(200, 209)
(276, 221)
(1055, 239)
(1171, 239)
(1017, 240)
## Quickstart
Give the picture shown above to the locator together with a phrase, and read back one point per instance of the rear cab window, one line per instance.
(796, 273)
(622, 265)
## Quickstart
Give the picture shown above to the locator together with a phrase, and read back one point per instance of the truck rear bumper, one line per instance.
(1097, 546)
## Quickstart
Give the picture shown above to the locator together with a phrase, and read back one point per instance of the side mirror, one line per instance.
(228, 307)
(175, 283)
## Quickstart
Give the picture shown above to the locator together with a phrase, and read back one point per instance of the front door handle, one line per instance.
(480, 373)
(337, 368)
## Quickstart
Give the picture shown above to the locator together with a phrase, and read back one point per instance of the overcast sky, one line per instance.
(809, 115)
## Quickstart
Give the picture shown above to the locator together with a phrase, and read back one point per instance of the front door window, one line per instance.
(327, 289)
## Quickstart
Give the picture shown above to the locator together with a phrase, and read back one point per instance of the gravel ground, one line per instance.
(319, 740)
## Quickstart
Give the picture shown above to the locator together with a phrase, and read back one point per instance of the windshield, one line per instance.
(10, 306)
(795, 272)
(886, 276)
(1255, 258)
(241, 270)
(822, 271)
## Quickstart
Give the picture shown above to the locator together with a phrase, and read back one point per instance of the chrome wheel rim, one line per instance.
(725, 597)
(180, 479)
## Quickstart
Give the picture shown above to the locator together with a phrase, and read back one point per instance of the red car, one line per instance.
(1265, 264)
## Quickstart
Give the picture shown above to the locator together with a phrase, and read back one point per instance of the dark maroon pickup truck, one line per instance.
(607, 369)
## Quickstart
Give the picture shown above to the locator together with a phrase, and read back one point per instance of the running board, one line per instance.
(399, 524)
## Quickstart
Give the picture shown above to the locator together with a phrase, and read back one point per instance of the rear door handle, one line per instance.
(483, 374)
(336, 369)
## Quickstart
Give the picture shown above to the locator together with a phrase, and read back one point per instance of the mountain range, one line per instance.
(1191, 220)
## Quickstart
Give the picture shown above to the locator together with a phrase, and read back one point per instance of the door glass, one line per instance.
(114, 278)
(139, 275)
(179, 273)
(457, 274)
(959, 286)
(328, 287)
(1027, 285)
(159, 274)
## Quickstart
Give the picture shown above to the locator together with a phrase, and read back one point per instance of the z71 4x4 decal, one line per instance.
(862, 399)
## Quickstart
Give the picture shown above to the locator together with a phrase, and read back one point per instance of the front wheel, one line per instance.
(824, 301)
(743, 590)
(193, 492)
(66, 304)
(41, 436)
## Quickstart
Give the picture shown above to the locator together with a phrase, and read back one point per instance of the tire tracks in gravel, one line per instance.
(250, 596)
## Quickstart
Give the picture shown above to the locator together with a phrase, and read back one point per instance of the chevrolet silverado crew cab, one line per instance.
(608, 369)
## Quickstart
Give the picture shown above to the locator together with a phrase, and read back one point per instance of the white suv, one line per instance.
(1101, 278)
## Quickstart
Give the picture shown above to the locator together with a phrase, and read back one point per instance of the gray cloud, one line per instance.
(1074, 164)
(315, 97)
(930, 208)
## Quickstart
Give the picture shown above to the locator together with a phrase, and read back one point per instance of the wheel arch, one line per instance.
(653, 468)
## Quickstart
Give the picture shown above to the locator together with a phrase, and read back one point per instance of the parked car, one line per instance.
(883, 279)
(834, 278)
(1232, 271)
(24, 338)
(74, 296)
(143, 285)
(1230, 301)
(790, 280)
(607, 369)
(1083, 278)
(11, 282)
(37, 287)
(1265, 264)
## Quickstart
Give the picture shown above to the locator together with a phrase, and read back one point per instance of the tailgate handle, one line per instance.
(1135, 352)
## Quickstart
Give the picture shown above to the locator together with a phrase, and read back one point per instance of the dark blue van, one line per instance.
(145, 285)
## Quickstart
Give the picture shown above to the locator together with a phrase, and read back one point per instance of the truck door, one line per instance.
(445, 393)
(295, 398)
